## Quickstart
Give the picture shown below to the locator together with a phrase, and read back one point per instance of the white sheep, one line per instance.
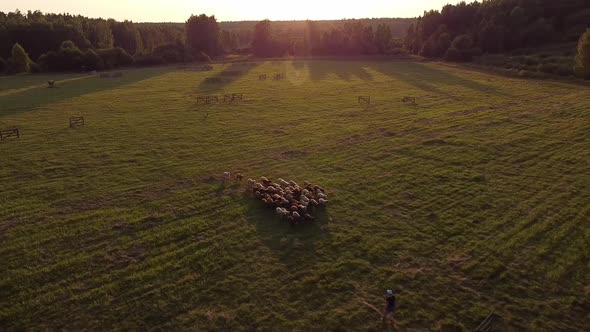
(251, 183)
(322, 201)
(282, 212)
(227, 175)
(283, 182)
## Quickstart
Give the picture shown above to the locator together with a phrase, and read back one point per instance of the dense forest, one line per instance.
(461, 32)
(54, 42)
(464, 32)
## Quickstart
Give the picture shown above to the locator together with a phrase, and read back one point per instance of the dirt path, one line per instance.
(15, 91)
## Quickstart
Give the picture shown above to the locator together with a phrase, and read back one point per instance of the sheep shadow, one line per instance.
(292, 244)
(227, 76)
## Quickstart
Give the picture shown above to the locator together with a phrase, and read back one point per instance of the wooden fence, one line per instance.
(207, 99)
(76, 121)
(411, 100)
(488, 323)
(233, 97)
(4, 134)
(364, 100)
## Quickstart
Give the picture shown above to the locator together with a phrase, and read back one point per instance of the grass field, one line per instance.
(475, 199)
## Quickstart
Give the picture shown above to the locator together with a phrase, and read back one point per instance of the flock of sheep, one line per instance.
(291, 201)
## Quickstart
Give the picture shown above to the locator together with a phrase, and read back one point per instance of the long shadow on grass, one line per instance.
(227, 76)
(292, 244)
(426, 78)
(345, 70)
(30, 99)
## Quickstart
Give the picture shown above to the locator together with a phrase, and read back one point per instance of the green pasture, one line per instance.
(476, 198)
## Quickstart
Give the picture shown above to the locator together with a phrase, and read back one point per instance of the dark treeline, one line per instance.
(34, 41)
(57, 42)
(67, 42)
(348, 37)
(296, 30)
(458, 32)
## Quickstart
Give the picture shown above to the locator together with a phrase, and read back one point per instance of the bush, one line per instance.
(69, 57)
(454, 55)
(91, 61)
(148, 60)
(171, 53)
(35, 68)
(582, 65)
(462, 42)
(115, 57)
(20, 61)
(459, 55)
(2, 65)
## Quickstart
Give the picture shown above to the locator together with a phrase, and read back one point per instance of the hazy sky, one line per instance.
(228, 10)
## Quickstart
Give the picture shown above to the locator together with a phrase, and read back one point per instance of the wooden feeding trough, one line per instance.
(410, 100)
(233, 97)
(207, 99)
(366, 100)
(76, 121)
(5, 134)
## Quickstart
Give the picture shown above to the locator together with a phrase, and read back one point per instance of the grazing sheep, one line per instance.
(288, 199)
(226, 176)
(282, 212)
(239, 177)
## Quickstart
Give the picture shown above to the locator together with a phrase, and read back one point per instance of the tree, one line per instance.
(383, 38)
(100, 34)
(126, 36)
(312, 38)
(582, 66)
(203, 35)
(20, 61)
(2, 65)
(229, 41)
(262, 42)
(90, 60)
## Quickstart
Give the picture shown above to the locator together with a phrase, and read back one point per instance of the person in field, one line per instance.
(389, 305)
